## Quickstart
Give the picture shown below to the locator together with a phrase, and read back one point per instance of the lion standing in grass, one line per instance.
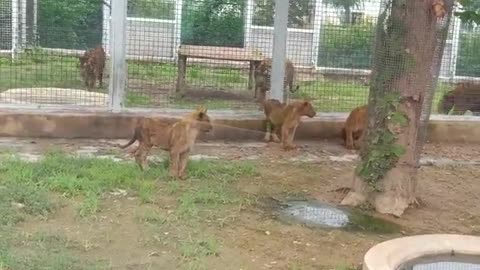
(92, 65)
(177, 138)
(263, 71)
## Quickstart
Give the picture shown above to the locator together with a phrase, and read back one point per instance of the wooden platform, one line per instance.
(215, 53)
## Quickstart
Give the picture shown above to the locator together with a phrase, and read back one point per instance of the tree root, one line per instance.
(343, 190)
(353, 199)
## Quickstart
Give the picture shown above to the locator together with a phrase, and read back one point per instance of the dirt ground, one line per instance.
(126, 235)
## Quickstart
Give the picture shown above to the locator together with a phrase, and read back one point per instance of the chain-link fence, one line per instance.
(186, 52)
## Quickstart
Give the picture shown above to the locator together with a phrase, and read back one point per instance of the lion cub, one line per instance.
(178, 138)
(92, 65)
(263, 71)
(287, 117)
(355, 126)
(465, 97)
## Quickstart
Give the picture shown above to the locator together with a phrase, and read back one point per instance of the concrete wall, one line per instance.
(229, 125)
(150, 38)
(299, 44)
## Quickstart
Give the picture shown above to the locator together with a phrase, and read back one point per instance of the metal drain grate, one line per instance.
(446, 266)
(313, 213)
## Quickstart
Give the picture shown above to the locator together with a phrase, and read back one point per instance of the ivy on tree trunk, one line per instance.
(408, 39)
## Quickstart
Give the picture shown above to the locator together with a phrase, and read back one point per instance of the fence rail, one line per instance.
(41, 43)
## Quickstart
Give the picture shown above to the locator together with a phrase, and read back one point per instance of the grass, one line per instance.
(149, 83)
(26, 188)
(87, 178)
(39, 251)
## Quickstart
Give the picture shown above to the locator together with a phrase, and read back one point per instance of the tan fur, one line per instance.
(92, 65)
(465, 96)
(178, 138)
(355, 126)
(263, 71)
(285, 117)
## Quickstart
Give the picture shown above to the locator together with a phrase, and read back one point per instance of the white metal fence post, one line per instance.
(14, 27)
(279, 51)
(177, 27)
(35, 19)
(457, 25)
(248, 23)
(317, 26)
(118, 51)
(23, 26)
(106, 33)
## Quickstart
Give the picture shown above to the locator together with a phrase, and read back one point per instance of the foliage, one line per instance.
(468, 62)
(346, 46)
(470, 12)
(6, 23)
(213, 22)
(70, 24)
(383, 152)
(297, 12)
(154, 9)
(347, 6)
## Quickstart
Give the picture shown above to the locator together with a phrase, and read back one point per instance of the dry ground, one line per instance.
(222, 217)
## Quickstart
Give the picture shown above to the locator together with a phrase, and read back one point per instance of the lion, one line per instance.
(465, 97)
(263, 71)
(92, 65)
(177, 138)
(355, 126)
(285, 117)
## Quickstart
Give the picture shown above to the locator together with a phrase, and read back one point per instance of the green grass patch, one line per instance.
(21, 199)
(214, 189)
(28, 182)
(153, 217)
(39, 251)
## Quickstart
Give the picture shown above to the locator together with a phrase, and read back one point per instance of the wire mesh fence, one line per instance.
(186, 52)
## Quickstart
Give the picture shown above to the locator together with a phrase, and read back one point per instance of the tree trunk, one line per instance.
(407, 44)
(348, 14)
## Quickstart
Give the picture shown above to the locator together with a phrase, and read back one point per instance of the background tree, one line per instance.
(300, 13)
(70, 24)
(470, 13)
(213, 22)
(347, 6)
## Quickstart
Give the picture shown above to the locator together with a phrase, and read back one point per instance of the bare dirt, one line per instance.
(251, 237)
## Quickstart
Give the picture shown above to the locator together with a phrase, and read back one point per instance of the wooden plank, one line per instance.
(182, 68)
(220, 53)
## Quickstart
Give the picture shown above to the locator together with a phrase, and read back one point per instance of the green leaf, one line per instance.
(387, 138)
(398, 150)
(398, 118)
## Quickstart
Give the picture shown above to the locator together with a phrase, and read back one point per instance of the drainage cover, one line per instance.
(447, 265)
(315, 214)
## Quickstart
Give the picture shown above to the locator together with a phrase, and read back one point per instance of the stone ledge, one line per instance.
(58, 122)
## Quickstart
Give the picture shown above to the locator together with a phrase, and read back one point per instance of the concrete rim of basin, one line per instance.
(53, 95)
(392, 254)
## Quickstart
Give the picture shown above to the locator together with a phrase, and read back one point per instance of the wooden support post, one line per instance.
(251, 76)
(182, 68)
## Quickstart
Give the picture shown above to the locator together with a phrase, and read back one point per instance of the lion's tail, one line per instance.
(132, 140)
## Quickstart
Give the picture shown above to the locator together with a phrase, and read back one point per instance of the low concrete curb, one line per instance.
(392, 254)
(229, 125)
